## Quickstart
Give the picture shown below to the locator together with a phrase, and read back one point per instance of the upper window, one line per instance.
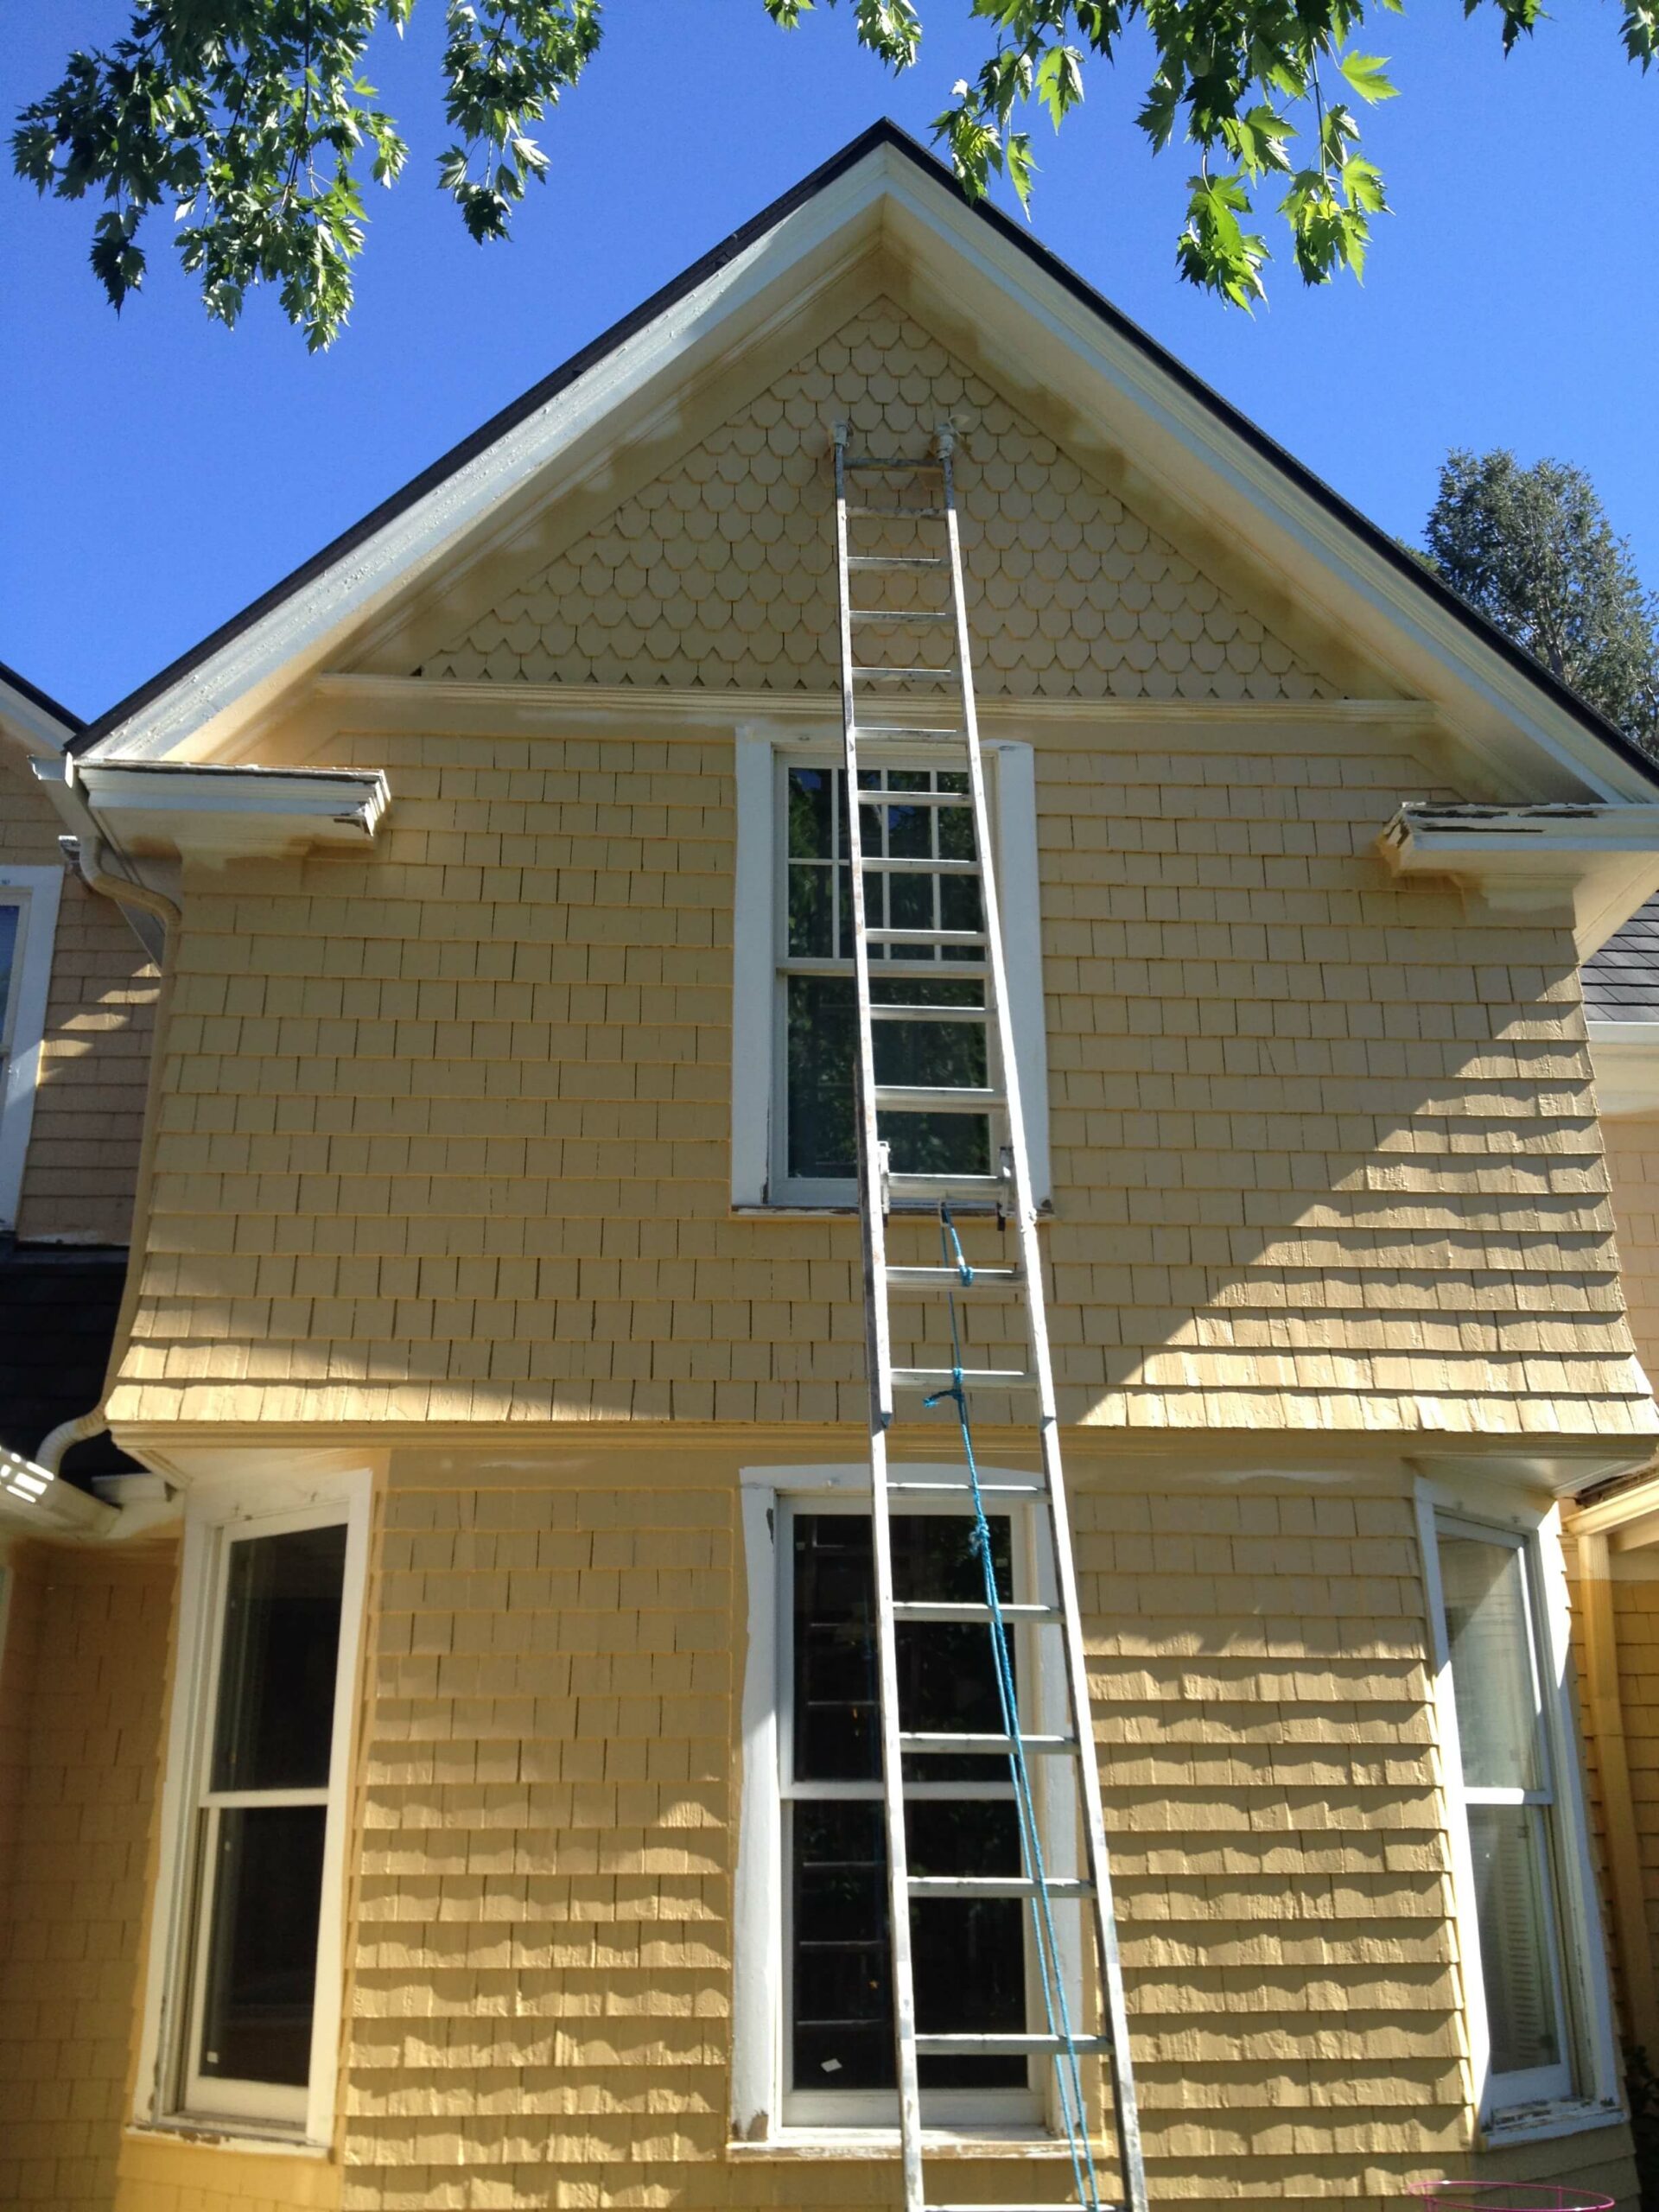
(1514, 1796)
(29, 912)
(256, 1825)
(795, 1022)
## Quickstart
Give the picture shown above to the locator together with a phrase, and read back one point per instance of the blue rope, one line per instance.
(1068, 2075)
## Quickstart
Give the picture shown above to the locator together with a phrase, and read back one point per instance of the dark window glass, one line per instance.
(821, 1047)
(946, 1679)
(968, 1952)
(281, 1651)
(261, 1947)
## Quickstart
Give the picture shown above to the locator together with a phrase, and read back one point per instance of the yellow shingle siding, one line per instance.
(543, 1999)
(1636, 1616)
(84, 1688)
(721, 572)
(445, 1132)
(89, 1109)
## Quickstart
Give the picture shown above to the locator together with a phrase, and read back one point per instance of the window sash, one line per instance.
(828, 1190)
(172, 2087)
(32, 895)
(1506, 2089)
(1011, 2105)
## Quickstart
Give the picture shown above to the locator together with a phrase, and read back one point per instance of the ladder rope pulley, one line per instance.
(956, 947)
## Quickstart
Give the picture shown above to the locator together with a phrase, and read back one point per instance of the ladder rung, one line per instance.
(935, 1741)
(936, 1098)
(943, 1490)
(998, 1885)
(926, 936)
(929, 971)
(945, 675)
(883, 866)
(940, 1378)
(953, 1187)
(916, 614)
(887, 460)
(930, 1013)
(988, 1281)
(898, 514)
(966, 1609)
(898, 560)
(994, 2046)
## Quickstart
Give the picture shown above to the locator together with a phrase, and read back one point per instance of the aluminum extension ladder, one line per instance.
(926, 522)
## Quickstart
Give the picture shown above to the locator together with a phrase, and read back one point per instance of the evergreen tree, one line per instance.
(1533, 549)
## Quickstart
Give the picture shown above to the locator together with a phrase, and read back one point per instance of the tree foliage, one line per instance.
(252, 120)
(1533, 549)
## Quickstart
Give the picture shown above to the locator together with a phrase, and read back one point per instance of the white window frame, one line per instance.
(757, 1072)
(169, 2095)
(35, 893)
(1585, 2090)
(764, 2107)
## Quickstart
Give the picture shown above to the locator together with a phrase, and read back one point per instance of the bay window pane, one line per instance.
(262, 1943)
(275, 1722)
(1490, 1635)
(1508, 1844)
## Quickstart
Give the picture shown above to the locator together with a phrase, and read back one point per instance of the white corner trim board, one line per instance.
(34, 892)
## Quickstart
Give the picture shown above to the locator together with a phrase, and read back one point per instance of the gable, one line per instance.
(720, 573)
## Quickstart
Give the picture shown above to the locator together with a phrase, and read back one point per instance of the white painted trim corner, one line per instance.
(37, 893)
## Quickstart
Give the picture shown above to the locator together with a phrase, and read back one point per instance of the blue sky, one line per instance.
(159, 472)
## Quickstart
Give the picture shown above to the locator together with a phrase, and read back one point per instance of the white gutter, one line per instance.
(34, 1501)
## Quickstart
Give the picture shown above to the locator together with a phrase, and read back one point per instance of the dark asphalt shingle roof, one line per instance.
(1621, 981)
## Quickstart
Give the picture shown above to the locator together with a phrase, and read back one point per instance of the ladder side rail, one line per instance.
(1108, 1957)
(879, 1357)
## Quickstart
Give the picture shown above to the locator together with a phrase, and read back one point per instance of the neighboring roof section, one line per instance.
(1621, 981)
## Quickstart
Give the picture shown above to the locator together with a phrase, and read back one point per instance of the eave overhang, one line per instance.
(170, 809)
(33, 1501)
(1599, 862)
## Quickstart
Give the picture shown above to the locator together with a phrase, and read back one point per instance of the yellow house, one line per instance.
(413, 1793)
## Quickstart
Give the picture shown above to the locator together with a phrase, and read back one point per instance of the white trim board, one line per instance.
(36, 891)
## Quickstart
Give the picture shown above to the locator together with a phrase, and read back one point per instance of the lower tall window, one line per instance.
(1508, 1784)
(969, 1955)
(260, 1741)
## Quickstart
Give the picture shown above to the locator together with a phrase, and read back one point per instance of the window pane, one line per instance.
(811, 910)
(1517, 1955)
(821, 1050)
(279, 1659)
(810, 803)
(1490, 1635)
(969, 1953)
(946, 1678)
(9, 917)
(262, 1945)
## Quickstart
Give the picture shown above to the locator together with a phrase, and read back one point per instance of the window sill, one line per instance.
(226, 2135)
(812, 1210)
(1025, 2143)
(1536, 2123)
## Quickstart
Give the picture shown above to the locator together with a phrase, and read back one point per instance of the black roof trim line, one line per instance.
(884, 133)
(43, 700)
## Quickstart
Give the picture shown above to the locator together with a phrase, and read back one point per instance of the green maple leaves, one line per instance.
(252, 120)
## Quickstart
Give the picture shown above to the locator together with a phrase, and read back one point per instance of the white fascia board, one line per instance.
(39, 734)
(1208, 469)
(150, 807)
(307, 629)
(1600, 861)
(1624, 1056)
(34, 1501)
